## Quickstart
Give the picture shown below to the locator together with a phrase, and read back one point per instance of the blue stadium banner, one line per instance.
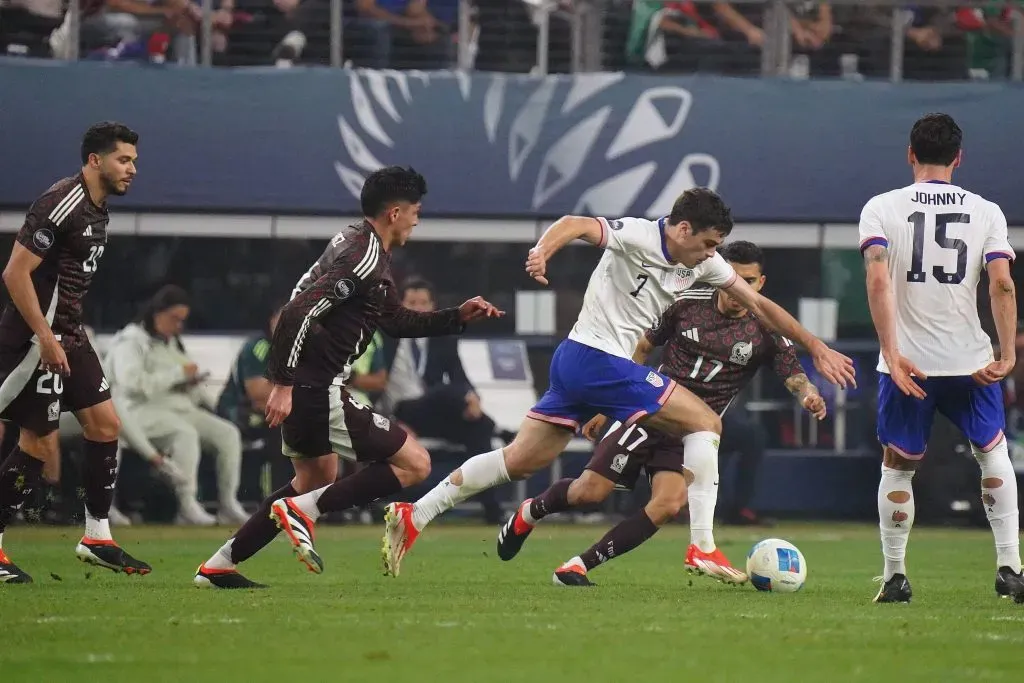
(494, 145)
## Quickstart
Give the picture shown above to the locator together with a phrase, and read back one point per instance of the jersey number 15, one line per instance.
(917, 272)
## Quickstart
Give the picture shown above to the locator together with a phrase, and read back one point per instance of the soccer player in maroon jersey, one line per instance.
(336, 308)
(47, 364)
(713, 348)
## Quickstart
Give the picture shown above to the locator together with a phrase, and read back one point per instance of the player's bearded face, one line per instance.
(117, 169)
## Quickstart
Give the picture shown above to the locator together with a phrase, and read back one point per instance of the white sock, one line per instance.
(1000, 503)
(307, 502)
(479, 473)
(1, 539)
(895, 519)
(222, 558)
(97, 529)
(700, 457)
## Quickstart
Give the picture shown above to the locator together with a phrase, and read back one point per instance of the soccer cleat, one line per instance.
(9, 572)
(514, 533)
(1010, 585)
(399, 535)
(572, 573)
(896, 589)
(222, 578)
(714, 565)
(299, 530)
(109, 555)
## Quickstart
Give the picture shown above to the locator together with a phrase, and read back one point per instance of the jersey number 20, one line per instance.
(916, 272)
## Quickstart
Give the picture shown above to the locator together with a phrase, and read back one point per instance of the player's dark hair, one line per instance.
(742, 252)
(936, 139)
(102, 138)
(416, 283)
(703, 209)
(390, 185)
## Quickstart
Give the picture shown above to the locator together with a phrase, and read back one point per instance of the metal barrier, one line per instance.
(525, 35)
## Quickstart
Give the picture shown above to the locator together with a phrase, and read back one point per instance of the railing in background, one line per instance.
(543, 36)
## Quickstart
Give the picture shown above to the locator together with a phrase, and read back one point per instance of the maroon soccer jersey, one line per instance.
(336, 308)
(713, 355)
(69, 233)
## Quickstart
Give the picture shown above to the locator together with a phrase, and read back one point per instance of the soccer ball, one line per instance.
(776, 565)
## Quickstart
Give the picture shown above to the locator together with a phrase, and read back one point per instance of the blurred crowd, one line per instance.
(850, 40)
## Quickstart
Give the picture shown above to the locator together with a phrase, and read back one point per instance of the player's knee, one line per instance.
(708, 421)
(102, 431)
(45, 447)
(589, 489)
(663, 508)
(894, 460)
(519, 462)
(415, 463)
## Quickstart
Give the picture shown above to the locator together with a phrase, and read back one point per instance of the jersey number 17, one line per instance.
(917, 273)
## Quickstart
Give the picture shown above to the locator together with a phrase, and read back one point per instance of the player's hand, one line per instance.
(52, 357)
(537, 265)
(834, 366)
(814, 404)
(901, 372)
(191, 370)
(592, 430)
(279, 405)
(994, 372)
(474, 411)
(477, 308)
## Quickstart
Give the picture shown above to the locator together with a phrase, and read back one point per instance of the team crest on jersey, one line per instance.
(53, 412)
(682, 278)
(654, 379)
(343, 289)
(381, 421)
(615, 225)
(741, 353)
(43, 239)
(619, 462)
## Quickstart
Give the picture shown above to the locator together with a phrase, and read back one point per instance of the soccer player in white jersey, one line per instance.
(645, 267)
(925, 246)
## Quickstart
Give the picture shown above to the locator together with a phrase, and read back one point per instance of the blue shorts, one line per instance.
(905, 423)
(586, 381)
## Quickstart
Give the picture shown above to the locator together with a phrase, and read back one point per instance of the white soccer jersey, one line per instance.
(633, 284)
(939, 238)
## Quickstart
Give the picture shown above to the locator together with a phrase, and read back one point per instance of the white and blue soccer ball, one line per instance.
(776, 565)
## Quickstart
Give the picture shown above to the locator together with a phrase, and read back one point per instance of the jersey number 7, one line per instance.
(916, 272)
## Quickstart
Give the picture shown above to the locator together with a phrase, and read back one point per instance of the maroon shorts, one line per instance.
(33, 398)
(328, 420)
(624, 451)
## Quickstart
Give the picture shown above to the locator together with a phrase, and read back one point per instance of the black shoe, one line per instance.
(111, 556)
(1010, 585)
(513, 534)
(570, 575)
(896, 589)
(10, 573)
(215, 578)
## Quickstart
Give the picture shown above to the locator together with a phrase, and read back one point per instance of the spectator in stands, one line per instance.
(811, 29)
(406, 34)
(933, 50)
(25, 26)
(369, 377)
(429, 393)
(161, 388)
(508, 35)
(989, 32)
(126, 23)
(273, 31)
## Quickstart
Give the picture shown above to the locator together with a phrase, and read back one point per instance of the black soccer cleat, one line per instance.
(222, 578)
(896, 589)
(1009, 584)
(10, 573)
(571, 574)
(110, 555)
(514, 533)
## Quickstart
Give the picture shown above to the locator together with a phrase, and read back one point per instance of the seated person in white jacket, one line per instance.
(160, 388)
(132, 436)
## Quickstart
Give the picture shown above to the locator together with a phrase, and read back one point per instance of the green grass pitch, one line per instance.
(458, 613)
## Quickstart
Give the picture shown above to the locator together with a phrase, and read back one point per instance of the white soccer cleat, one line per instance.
(298, 527)
(399, 535)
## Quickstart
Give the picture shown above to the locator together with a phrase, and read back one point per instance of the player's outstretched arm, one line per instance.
(807, 395)
(560, 233)
(883, 315)
(1003, 295)
(398, 321)
(834, 366)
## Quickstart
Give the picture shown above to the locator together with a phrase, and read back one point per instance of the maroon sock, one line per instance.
(20, 474)
(365, 486)
(99, 472)
(258, 530)
(555, 499)
(623, 537)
